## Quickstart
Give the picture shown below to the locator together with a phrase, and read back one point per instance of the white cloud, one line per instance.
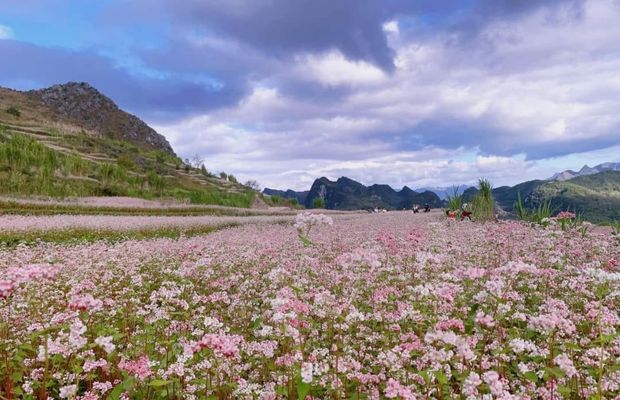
(534, 82)
(333, 68)
(5, 32)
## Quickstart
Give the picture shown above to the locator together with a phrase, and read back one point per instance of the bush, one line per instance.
(13, 111)
(318, 203)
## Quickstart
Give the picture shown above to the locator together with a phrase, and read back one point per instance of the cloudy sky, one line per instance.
(404, 92)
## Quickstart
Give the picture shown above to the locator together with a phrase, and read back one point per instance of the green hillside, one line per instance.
(594, 197)
(35, 161)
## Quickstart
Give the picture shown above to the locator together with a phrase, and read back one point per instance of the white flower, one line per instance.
(106, 343)
(306, 372)
(68, 391)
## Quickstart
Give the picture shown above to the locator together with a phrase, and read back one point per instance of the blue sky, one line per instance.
(417, 93)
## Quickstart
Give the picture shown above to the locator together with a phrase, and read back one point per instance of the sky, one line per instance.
(423, 93)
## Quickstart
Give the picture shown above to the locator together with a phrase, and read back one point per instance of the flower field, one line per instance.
(395, 306)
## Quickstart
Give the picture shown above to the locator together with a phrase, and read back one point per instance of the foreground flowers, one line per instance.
(378, 306)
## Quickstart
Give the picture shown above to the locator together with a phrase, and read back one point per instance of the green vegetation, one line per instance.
(538, 215)
(77, 236)
(455, 200)
(319, 202)
(13, 111)
(483, 203)
(19, 208)
(67, 165)
(277, 201)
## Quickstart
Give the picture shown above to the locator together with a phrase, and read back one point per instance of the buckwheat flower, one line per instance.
(27, 387)
(139, 368)
(68, 391)
(105, 342)
(85, 303)
(470, 386)
(6, 287)
(90, 365)
(565, 215)
(306, 372)
(493, 380)
(519, 345)
(566, 364)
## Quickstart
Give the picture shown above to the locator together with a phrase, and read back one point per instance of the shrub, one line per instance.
(319, 202)
(13, 111)
(125, 161)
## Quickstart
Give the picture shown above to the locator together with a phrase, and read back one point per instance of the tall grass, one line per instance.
(483, 204)
(539, 215)
(455, 200)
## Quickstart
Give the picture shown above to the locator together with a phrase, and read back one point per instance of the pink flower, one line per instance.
(565, 215)
(139, 368)
(566, 364)
(6, 287)
(221, 345)
(85, 303)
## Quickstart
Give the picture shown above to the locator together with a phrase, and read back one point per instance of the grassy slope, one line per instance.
(35, 160)
(594, 197)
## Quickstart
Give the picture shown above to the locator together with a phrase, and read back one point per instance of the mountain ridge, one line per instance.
(585, 170)
(348, 194)
(79, 106)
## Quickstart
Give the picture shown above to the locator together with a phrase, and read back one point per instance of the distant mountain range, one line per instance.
(444, 192)
(585, 170)
(288, 194)
(594, 193)
(347, 194)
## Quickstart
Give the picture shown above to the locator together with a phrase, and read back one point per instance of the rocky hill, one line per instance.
(585, 170)
(347, 194)
(71, 140)
(83, 105)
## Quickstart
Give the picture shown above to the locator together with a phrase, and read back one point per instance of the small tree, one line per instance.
(13, 111)
(197, 161)
(252, 184)
(319, 202)
(232, 178)
(223, 175)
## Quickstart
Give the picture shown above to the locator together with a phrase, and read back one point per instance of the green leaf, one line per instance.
(531, 376)
(125, 385)
(158, 382)
(564, 390)
(554, 371)
(441, 377)
(302, 390)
